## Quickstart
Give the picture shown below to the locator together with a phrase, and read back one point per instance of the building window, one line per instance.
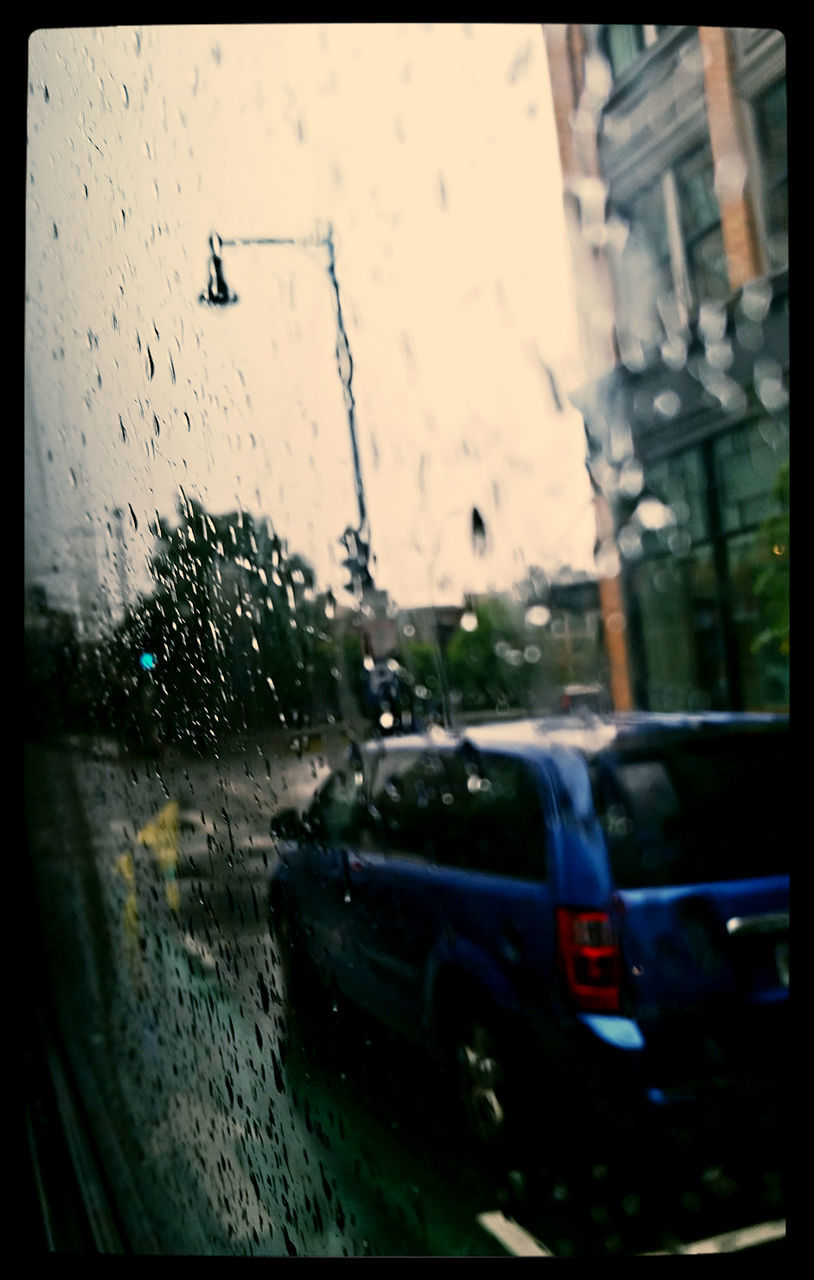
(624, 42)
(746, 464)
(681, 631)
(680, 482)
(643, 270)
(682, 588)
(701, 226)
(682, 255)
(772, 139)
(648, 213)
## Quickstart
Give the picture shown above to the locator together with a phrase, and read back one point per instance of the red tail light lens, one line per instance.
(590, 959)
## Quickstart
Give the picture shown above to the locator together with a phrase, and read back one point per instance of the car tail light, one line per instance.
(590, 958)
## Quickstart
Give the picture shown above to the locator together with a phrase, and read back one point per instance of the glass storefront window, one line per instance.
(681, 631)
(747, 461)
(680, 482)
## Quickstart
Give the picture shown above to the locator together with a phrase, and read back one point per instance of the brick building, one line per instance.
(674, 158)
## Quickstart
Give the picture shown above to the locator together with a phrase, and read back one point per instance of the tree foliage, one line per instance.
(235, 627)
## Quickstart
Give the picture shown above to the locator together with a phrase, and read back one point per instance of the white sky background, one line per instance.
(431, 150)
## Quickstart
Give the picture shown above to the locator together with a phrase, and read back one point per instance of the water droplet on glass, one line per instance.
(631, 478)
(469, 621)
(653, 514)
(607, 561)
(537, 615)
(712, 322)
(679, 542)
(630, 542)
(667, 403)
(755, 300)
(674, 351)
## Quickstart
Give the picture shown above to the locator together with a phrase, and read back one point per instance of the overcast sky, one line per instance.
(431, 151)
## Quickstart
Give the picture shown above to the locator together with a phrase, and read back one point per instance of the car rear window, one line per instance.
(696, 811)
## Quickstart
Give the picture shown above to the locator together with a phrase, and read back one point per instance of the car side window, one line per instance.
(483, 816)
(337, 813)
(695, 811)
(496, 824)
(639, 811)
(408, 799)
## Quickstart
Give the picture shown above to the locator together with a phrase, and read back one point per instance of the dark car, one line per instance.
(591, 914)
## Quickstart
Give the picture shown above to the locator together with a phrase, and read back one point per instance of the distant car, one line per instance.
(592, 916)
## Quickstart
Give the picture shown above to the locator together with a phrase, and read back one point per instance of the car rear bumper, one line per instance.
(695, 1075)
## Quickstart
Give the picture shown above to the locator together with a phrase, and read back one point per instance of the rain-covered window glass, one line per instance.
(400, 434)
(772, 135)
(701, 226)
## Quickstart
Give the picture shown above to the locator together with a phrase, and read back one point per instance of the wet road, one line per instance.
(247, 1126)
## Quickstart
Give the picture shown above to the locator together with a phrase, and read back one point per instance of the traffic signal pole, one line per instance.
(217, 293)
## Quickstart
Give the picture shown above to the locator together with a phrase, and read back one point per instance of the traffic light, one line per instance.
(356, 561)
(147, 661)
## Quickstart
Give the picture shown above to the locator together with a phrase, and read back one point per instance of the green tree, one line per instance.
(485, 665)
(236, 628)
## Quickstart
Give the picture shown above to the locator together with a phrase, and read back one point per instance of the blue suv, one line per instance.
(592, 910)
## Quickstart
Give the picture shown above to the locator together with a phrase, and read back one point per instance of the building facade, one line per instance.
(673, 143)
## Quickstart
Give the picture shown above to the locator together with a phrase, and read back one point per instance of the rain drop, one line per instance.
(607, 561)
(653, 514)
(631, 478)
(538, 615)
(630, 542)
(667, 403)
